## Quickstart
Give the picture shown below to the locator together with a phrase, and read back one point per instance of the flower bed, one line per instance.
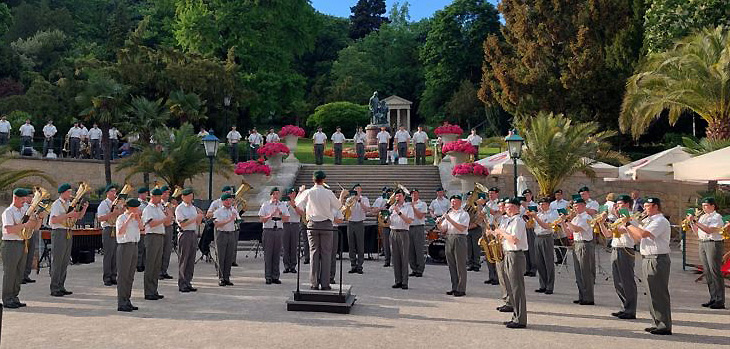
(270, 149)
(450, 129)
(471, 168)
(372, 154)
(459, 146)
(291, 130)
(251, 167)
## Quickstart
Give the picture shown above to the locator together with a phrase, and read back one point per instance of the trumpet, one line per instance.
(596, 222)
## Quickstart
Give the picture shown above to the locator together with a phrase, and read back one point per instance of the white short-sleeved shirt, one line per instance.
(440, 206)
(420, 137)
(360, 209)
(216, 204)
(84, 132)
(255, 139)
(183, 212)
(337, 214)
(319, 137)
(360, 137)
(625, 240)
(318, 202)
(294, 217)
(233, 137)
(712, 220)
(5, 126)
(114, 133)
(103, 210)
(154, 212)
(421, 206)
(459, 216)
(383, 137)
(337, 137)
(659, 227)
(272, 137)
(380, 202)
(268, 208)
(548, 217)
(95, 133)
(592, 205)
(12, 216)
(27, 130)
(402, 136)
(49, 130)
(132, 233)
(75, 132)
(581, 220)
(224, 213)
(59, 208)
(396, 222)
(474, 140)
(514, 226)
(557, 204)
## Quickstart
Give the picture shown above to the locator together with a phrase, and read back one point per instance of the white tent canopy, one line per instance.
(501, 163)
(654, 167)
(713, 166)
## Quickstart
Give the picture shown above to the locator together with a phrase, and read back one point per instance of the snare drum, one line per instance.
(437, 251)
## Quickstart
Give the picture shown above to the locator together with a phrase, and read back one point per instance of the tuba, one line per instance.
(77, 202)
(492, 248)
(239, 201)
(40, 203)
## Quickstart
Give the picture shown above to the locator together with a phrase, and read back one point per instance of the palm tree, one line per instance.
(176, 156)
(103, 102)
(8, 177)
(694, 76)
(557, 148)
(187, 107)
(704, 146)
(144, 118)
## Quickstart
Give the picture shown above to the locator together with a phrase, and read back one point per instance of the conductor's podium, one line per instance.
(337, 300)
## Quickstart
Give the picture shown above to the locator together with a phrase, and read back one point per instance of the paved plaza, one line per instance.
(253, 315)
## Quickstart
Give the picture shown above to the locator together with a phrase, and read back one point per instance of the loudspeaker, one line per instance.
(83, 257)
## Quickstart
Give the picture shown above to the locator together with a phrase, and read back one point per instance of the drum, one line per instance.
(437, 251)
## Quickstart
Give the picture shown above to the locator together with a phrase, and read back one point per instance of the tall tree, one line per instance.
(451, 53)
(563, 56)
(694, 77)
(668, 21)
(367, 16)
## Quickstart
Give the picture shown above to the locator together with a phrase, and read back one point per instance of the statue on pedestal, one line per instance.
(378, 110)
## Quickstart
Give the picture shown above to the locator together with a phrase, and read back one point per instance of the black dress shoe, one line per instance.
(114, 282)
(352, 271)
(418, 275)
(625, 316)
(108, 284)
(412, 274)
(515, 325)
(469, 268)
(229, 283)
(314, 287)
(22, 282)
(405, 287)
(192, 289)
(325, 288)
(234, 264)
(506, 309)
(268, 281)
(661, 332)
(397, 285)
(140, 269)
(531, 274)
(184, 290)
(66, 293)
(168, 277)
(706, 305)
(135, 308)
(450, 293)
(57, 294)
(577, 301)
(459, 294)
(649, 329)
(306, 262)
(125, 309)
(548, 292)
(617, 314)
(359, 271)
(159, 296)
(151, 298)
(540, 290)
(276, 281)
(717, 306)
(286, 271)
(386, 265)
(495, 282)
(475, 269)
(28, 281)
(587, 303)
(11, 305)
(222, 283)
(293, 271)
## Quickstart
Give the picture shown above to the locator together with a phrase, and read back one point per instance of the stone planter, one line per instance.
(275, 161)
(291, 143)
(257, 179)
(446, 139)
(459, 157)
(467, 182)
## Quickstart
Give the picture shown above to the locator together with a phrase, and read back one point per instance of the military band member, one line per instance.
(292, 229)
(513, 233)
(420, 142)
(402, 138)
(154, 216)
(401, 217)
(356, 230)
(378, 205)
(560, 239)
(142, 197)
(319, 203)
(74, 139)
(383, 138)
(360, 138)
(5, 128)
(653, 234)
(584, 257)
(455, 224)
(544, 246)
(26, 133)
(32, 244)
(530, 255)
(226, 237)
(49, 131)
(61, 224)
(491, 212)
(622, 263)
(417, 234)
(500, 266)
(129, 227)
(107, 216)
(216, 204)
(255, 140)
(319, 139)
(273, 214)
(440, 204)
(188, 217)
(13, 247)
(592, 206)
(338, 139)
(708, 228)
(169, 233)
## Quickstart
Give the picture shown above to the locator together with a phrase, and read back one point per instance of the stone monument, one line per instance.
(378, 118)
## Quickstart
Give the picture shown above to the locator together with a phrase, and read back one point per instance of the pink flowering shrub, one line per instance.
(251, 167)
(470, 168)
(459, 146)
(270, 149)
(450, 129)
(291, 130)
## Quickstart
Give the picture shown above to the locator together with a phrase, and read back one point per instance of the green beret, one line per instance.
(624, 198)
(521, 198)
(457, 197)
(494, 189)
(227, 188)
(157, 192)
(290, 191)
(482, 196)
(440, 189)
(526, 191)
(545, 199)
(187, 191)
(133, 203)
(469, 193)
(415, 190)
(385, 189)
(165, 188)
(110, 187)
(285, 199)
(64, 187)
(356, 185)
(582, 189)
(21, 192)
(143, 190)
(274, 189)
(319, 175)
(653, 201)
(226, 196)
(579, 201)
(352, 192)
(709, 200)
(514, 201)
(400, 191)
(559, 191)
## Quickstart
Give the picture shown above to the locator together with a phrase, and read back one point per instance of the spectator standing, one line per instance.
(49, 131)
(233, 138)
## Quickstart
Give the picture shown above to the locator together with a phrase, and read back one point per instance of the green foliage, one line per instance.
(367, 16)
(31, 17)
(464, 106)
(556, 148)
(186, 106)
(668, 21)
(145, 117)
(8, 177)
(704, 145)
(344, 114)
(452, 51)
(41, 50)
(694, 77)
(177, 157)
(6, 19)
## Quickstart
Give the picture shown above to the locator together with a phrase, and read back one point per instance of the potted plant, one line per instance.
(469, 173)
(274, 152)
(448, 133)
(256, 171)
(460, 150)
(291, 134)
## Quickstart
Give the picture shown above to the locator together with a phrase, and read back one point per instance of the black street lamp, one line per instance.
(210, 143)
(514, 146)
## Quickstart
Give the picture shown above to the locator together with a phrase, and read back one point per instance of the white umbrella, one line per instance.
(713, 166)
(654, 167)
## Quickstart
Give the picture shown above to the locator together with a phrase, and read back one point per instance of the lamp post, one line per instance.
(210, 143)
(514, 145)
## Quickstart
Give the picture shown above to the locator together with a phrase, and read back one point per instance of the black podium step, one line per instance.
(332, 295)
(329, 301)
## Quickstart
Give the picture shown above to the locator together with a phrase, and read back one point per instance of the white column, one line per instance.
(408, 117)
